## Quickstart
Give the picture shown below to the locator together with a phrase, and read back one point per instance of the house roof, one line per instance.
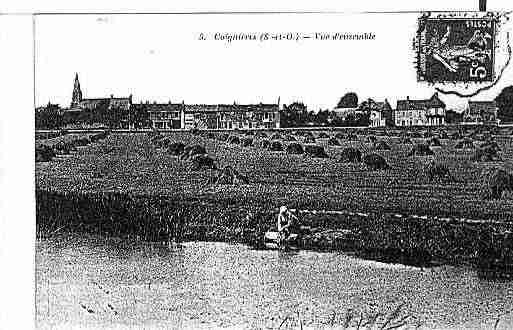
(479, 107)
(230, 107)
(159, 107)
(408, 104)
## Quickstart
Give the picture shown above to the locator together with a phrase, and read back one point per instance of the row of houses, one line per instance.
(423, 112)
(408, 112)
(212, 116)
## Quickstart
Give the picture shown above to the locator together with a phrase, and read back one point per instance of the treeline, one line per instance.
(297, 115)
(53, 117)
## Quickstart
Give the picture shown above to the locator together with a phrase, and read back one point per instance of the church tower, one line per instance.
(77, 93)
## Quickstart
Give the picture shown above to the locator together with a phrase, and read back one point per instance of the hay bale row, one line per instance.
(45, 153)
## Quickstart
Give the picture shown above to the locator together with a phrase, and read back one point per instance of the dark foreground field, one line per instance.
(125, 185)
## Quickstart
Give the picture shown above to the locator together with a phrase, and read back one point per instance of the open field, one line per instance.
(130, 163)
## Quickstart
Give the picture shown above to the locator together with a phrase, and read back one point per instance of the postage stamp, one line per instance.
(456, 48)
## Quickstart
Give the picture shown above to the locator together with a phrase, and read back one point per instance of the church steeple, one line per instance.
(77, 93)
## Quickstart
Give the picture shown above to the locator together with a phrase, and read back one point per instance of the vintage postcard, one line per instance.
(274, 170)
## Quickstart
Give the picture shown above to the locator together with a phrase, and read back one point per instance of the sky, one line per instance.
(161, 58)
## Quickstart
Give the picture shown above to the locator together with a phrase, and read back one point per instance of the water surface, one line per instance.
(99, 283)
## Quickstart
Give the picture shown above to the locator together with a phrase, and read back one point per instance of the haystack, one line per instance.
(233, 139)
(229, 175)
(276, 136)
(350, 155)
(81, 142)
(309, 139)
(276, 146)
(176, 148)
(265, 144)
(421, 149)
(435, 170)
(485, 154)
(247, 142)
(191, 151)
(496, 182)
(295, 149)
(405, 140)
(435, 142)
(289, 138)
(201, 161)
(381, 145)
(375, 162)
(44, 153)
(340, 136)
(371, 139)
(315, 151)
(464, 144)
(333, 142)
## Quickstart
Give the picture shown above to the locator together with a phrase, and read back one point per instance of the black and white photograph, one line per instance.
(271, 169)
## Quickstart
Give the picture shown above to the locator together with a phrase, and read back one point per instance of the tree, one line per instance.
(350, 100)
(49, 117)
(505, 104)
(453, 117)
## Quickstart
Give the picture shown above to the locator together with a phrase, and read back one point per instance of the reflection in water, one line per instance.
(221, 284)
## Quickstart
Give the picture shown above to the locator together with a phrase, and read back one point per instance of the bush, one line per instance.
(261, 135)
(315, 151)
(247, 142)
(201, 161)
(249, 133)
(381, 145)
(176, 148)
(323, 135)
(276, 146)
(265, 144)
(333, 142)
(455, 136)
(295, 148)
(276, 136)
(350, 155)
(44, 153)
(496, 181)
(229, 175)
(375, 162)
(438, 171)
(190, 151)
(464, 144)
(421, 149)
(289, 138)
